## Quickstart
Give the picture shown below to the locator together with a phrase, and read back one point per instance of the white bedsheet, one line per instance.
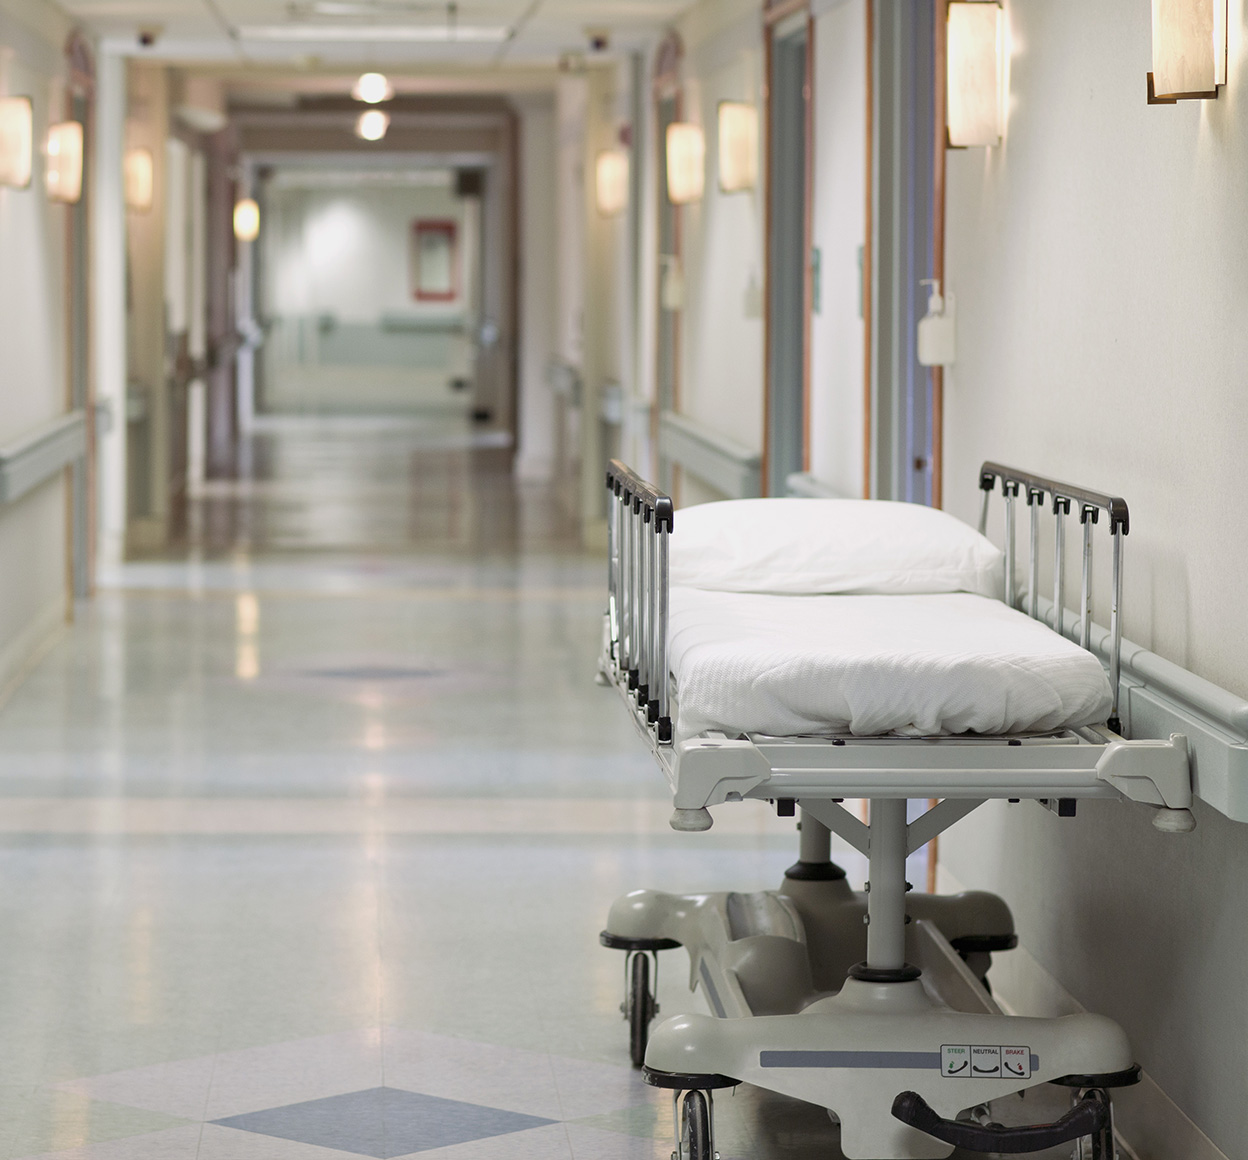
(946, 663)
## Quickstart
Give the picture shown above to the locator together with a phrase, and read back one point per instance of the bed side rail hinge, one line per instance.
(1155, 773)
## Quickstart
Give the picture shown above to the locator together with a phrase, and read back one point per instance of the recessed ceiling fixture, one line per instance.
(380, 33)
(372, 87)
(738, 146)
(372, 125)
(611, 182)
(139, 176)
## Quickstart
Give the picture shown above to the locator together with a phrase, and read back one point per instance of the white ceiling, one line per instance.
(391, 32)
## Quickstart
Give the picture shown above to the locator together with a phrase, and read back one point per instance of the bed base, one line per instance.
(904, 1045)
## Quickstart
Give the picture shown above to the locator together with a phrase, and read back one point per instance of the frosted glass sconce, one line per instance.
(16, 141)
(738, 146)
(1189, 50)
(246, 220)
(974, 72)
(611, 182)
(64, 156)
(686, 158)
(139, 179)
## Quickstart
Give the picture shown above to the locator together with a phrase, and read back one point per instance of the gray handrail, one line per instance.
(27, 462)
(728, 466)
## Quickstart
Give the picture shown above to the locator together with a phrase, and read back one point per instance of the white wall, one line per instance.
(346, 251)
(535, 457)
(33, 336)
(722, 236)
(839, 226)
(1098, 261)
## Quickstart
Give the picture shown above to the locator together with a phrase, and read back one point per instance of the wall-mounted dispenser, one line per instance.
(937, 330)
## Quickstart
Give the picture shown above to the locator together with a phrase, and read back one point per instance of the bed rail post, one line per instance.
(664, 519)
(1011, 490)
(1061, 508)
(987, 482)
(1115, 628)
(1087, 516)
(1034, 498)
(643, 605)
(613, 635)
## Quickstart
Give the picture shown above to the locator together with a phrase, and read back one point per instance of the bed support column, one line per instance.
(886, 896)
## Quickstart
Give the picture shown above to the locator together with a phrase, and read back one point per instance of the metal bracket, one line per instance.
(937, 820)
(841, 822)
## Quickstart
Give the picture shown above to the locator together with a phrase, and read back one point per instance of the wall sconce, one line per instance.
(611, 182)
(1189, 50)
(974, 72)
(16, 141)
(738, 146)
(139, 179)
(246, 220)
(372, 126)
(63, 148)
(686, 158)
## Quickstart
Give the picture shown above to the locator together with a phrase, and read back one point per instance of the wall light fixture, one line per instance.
(139, 179)
(246, 220)
(611, 182)
(1189, 50)
(16, 141)
(686, 162)
(975, 57)
(63, 150)
(372, 125)
(738, 146)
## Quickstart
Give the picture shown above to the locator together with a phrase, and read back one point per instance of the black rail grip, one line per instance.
(1084, 1119)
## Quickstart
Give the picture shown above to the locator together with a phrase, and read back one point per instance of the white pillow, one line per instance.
(809, 546)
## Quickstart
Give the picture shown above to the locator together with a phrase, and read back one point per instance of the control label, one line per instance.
(984, 1061)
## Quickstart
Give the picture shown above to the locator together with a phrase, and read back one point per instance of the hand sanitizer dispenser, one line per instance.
(936, 328)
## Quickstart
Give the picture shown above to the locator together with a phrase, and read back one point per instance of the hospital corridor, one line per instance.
(623, 580)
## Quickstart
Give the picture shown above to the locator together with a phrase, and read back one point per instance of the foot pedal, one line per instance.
(1086, 1118)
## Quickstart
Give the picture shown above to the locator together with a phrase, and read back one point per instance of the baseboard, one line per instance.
(1150, 1125)
(30, 645)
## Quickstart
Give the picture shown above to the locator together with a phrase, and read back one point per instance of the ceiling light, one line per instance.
(63, 148)
(738, 146)
(246, 220)
(611, 182)
(16, 141)
(686, 155)
(372, 87)
(372, 125)
(1189, 50)
(379, 33)
(974, 72)
(139, 179)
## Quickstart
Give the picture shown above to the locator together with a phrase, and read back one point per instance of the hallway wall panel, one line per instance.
(1097, 259)
(34, 385)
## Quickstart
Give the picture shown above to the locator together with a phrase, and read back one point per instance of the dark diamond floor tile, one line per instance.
(383, 1122)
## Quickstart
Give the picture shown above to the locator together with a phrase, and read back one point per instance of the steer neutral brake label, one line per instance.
(980, 1061)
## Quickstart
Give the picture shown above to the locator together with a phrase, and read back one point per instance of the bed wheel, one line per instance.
(639, 1004)
(695, 1141)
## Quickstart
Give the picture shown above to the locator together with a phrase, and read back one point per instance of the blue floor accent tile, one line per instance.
(383, 1122)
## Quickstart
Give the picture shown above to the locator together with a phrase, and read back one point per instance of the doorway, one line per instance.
(788, 247)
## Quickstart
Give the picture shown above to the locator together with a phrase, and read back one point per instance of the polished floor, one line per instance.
(308, 830)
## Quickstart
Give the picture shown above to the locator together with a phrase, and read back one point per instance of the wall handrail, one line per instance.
(727, 465)
(27, 462)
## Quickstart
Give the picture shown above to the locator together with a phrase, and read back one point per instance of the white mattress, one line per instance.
(929, 664)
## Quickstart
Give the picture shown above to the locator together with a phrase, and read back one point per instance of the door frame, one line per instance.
(776, 12)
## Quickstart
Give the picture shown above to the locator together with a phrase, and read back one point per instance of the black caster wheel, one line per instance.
(695, 1127)
(639, 1006)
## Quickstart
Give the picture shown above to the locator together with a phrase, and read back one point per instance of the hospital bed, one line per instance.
(806, 655)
